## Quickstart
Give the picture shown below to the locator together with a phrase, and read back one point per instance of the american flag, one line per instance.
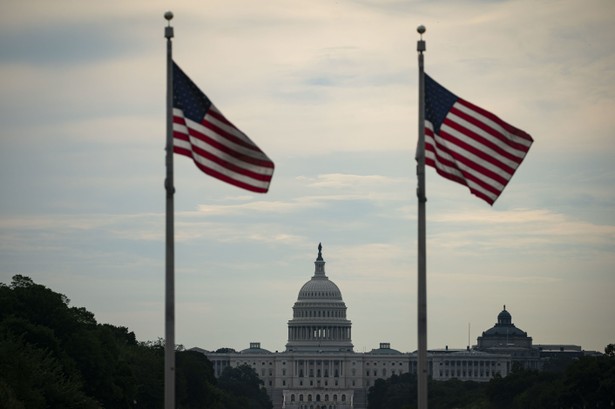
(469, 145)
(218, 148)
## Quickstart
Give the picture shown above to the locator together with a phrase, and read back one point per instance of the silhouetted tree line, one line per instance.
(588, 382)
(56, 356)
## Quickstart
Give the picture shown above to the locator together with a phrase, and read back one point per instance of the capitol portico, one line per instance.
(320, 370)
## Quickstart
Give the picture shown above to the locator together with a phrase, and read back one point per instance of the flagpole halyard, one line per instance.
(169, 340)
(422, 369)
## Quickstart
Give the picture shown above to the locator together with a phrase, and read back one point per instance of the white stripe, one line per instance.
(454, 171)
(494, 125)
(457, 171)
(220, 139)
(472, 157)
(478, 145)
(222, 155)
(235, 176)
(221, 169)
(225, 126)
(439, 141)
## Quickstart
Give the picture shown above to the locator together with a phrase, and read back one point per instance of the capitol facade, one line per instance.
(320, 369)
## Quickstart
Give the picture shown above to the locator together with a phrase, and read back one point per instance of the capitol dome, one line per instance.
(319, 287)
(319, 316)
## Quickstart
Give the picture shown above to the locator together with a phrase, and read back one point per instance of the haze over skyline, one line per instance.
(329, 91)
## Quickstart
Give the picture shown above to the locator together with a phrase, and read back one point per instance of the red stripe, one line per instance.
(458, 158)
(509, 128)
(196, 151)
(472, 149)
(488, 142)
(481, 154)
(247, 143)
(228, 150)
(223, 148)
(222, 176)
(455, 165)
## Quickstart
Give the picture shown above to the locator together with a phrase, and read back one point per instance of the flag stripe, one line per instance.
(472, 150)
(207, 135)
(469, 145)
(217, 147)
(218, 163)
(438, 156)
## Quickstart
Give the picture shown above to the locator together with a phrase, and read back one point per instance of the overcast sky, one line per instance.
(329, 91)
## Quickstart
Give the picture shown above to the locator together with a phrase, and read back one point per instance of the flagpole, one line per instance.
(422, 372)
(169, 339)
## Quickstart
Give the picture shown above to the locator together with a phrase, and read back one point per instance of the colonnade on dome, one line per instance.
(319, 320)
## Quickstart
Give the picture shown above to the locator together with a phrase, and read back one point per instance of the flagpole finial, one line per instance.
(168, 30)
(420, 47)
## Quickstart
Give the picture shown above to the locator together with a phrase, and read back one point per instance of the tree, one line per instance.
(194, 381)
(31, 378)
(243, 381)
(53, 356)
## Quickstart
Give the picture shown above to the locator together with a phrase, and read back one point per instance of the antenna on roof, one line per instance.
(469, 335)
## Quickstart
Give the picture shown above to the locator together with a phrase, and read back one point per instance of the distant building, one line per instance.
(505, 338)
(467, 365)
(320, 370)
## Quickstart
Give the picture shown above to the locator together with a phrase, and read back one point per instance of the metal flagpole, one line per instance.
(422, 373)
(169, 339)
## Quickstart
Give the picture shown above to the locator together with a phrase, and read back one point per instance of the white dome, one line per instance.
(319, 288)
(319, 320)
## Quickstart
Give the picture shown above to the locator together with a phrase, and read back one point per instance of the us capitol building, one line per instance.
(320, 370)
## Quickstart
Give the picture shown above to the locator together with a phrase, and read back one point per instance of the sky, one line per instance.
(328, 89)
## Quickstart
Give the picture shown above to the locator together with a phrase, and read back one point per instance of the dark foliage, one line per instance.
(584, 383)
(244, 388)
(56, 356)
